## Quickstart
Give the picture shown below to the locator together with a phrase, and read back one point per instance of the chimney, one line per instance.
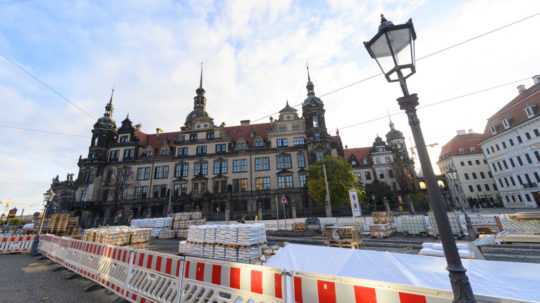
(521, 88)
(461, 132)
(244, 122)
(536, 79)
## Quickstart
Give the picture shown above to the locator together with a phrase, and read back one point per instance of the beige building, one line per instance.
(470, 181)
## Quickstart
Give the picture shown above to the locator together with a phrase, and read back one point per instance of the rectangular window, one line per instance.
(537, 176)
(471, 188)
(466, 176)
(262, 163)
(298, 141)
(512, 162)
(478, 187)
(143, 173)
(482, 175)
(113, 155)
(519, 139)
(499, 165)
(301, 160)
(221, 148)
(474, 176)
(262, 183)
(161, 172)
(141, 192)
(220, 167)
(200, 168)
(201, 150)
(285, 181)
(462, 163)
(159, 191)
(192, 137)
(514, 181)
(505, 164)
(302, 180)
(240, 166)
(210, 135)
(504, 144)
(182, 151)
(519, 160)
(181, 169)
(486, 186)
(240, 185)
(284, 161)
(536, 132)
(494, 167)
(528, 198)
(490, 174)
(469, 162)
(282, 142)
(124, 138)
(529, 160)
(537, 155)
(129, 154)
(511, 141)
(528, 136)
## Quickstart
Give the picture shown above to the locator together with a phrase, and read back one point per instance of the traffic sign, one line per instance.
(284, 199)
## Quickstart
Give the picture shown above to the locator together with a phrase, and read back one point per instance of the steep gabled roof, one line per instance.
(359, 153)
(514, 111)
(466, 144)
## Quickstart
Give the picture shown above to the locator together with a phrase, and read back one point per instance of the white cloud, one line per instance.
(254, 53)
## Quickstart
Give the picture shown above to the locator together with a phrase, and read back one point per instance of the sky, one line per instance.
(254, 55)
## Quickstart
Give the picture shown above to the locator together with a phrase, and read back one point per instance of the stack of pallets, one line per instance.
(382, 225)
(235, 242)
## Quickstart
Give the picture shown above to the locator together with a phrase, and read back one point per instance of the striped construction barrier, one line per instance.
(144, 276)
(16, 244)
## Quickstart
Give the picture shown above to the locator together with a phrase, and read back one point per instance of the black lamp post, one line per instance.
(393, 49)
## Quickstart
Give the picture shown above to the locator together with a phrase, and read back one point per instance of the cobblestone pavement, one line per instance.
(26, 279)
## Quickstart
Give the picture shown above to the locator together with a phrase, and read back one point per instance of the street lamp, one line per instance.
(393, 49)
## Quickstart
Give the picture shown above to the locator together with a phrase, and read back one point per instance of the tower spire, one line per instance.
(310, 87)
(109, 106)
(200, 80)
(200, 91)
(391, 123)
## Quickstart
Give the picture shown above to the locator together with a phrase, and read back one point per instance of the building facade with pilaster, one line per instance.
(227, 172)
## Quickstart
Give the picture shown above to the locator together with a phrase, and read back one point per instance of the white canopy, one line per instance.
(509, 280)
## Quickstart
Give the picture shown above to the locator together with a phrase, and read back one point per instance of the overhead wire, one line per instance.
(420, 58)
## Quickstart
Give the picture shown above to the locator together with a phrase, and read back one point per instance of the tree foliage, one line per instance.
(377, 192)
(340, 180)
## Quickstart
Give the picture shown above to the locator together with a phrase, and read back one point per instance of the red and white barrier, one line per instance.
(15, 244)
(332, 289)
(144, 276)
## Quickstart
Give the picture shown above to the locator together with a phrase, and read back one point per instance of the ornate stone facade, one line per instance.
(227, 172)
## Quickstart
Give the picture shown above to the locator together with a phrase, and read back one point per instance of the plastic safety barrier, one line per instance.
(15, 244)
(144, 276)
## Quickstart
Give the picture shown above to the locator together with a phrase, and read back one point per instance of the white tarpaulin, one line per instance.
(510, 280)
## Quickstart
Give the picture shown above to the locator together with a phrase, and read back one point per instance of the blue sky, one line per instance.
(255, 54)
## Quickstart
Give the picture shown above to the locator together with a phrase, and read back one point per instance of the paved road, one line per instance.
(25, 279)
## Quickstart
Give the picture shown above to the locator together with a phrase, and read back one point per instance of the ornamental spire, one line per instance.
(200, 91)
(109, 106)
(310, 87)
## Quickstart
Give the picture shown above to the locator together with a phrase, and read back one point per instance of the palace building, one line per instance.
(227, 172)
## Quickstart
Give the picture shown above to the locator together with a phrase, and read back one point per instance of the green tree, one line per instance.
(377, 192)
(340, 180)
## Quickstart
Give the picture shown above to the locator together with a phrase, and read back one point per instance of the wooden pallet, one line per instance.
(344, 244)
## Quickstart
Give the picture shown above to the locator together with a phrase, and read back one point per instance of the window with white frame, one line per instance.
(200, 168)
(181, 169)
(161, 172)
(220, 166)
(298, 141)
(259, 142)
(301, 160)
(182, 151)
(262, 183)
(285, 181)
(506, 123)
(129, 154)
(493, 130)
(240, 165)
(284, 161)
(530, 111)
(123, 138)
(143, 173)
(262, 163)
(282, 142)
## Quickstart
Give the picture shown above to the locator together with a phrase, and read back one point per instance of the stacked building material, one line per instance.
(156, 224)
(519, 227)
(118, 235)
(382, 225)
(455, 226)
(182, 221)
(234, 242)
(167, 234)
(412, 225)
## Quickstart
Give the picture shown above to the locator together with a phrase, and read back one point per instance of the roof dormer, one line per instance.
(530, 110)
(506, 123)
